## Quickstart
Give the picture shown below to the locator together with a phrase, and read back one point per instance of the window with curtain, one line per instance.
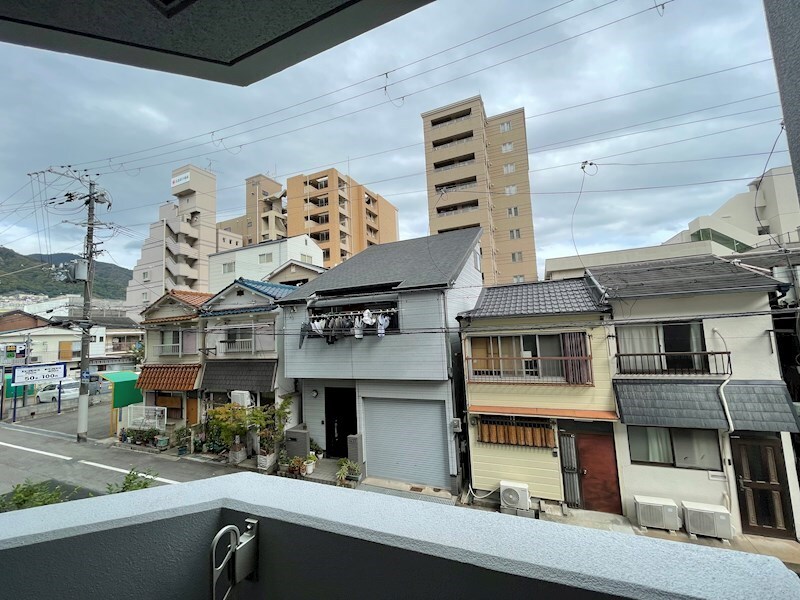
(662, 348)
(681, 448)
(560, 357)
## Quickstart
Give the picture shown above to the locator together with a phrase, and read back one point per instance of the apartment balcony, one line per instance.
(181, 269)
(241, 346)
(554, 370)
(310, 540)
(178, 226)
(457, 165)
(451, 122)
(461, 187)
(454, 143)
(675, 364)
(122, 347)
(457, 210)
(168, 350)
(181, 249)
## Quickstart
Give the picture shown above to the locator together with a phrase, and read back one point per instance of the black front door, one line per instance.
(763, 487)
(340, 420)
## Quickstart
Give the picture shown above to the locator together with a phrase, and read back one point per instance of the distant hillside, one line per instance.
(110, 280)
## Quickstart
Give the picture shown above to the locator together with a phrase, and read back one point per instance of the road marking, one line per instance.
(61, 456)
(43, 432)
(118, 470)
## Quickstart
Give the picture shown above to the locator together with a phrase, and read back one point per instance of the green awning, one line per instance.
(124, 391)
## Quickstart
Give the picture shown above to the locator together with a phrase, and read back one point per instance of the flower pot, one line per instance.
(309, 467)
(319, 455)
(283, 467)
(266, 461)
(237, 456)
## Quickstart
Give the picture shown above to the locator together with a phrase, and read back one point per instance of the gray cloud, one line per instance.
(59, 109)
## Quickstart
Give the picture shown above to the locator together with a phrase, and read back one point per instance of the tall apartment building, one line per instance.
(339, 213)
(175, 254)
(477, 171)
(265, 217)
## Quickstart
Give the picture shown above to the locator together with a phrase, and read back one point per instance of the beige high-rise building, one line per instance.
(265, 218)
(477, 171)
(339, 213)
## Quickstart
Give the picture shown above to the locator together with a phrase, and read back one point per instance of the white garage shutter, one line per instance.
(406, 440)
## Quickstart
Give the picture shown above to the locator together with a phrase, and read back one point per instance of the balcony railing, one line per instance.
(456, 211)
(236, 346)
(121, 346)
(572, 370)
(390, 538)
(451, 121)
(454, 143)
(674, 363)
(443, 189)
(455, 165)
(167, 349)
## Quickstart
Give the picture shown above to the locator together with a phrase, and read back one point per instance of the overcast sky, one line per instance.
(58, 109)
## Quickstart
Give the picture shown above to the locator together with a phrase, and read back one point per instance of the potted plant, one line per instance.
(348, 471)
(310, 461)
(271, 422)
(283, 460)
(316, 449)
(237, 452)
(183, 436)
(297, 465)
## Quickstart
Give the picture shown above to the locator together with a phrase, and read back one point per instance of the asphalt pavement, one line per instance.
(46, 449)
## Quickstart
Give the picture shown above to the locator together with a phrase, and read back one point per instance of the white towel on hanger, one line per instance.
(383, 323)
(368, 319)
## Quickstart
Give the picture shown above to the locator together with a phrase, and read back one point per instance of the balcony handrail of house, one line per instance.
(567, 370)
(121, 346)
(451, 121)
(454, 143)
(463, 163)
(456, 188)
(237, 345)
(485, 552)
(674, 363)
(168, 349)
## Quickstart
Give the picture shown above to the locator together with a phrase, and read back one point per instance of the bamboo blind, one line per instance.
(516, 431)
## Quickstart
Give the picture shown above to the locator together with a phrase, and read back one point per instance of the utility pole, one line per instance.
(83, 399)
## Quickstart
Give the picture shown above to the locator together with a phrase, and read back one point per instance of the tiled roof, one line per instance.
(169, 319)
(248, 375)
(754, 405)
(679, 276)
(274, 290)
(563, 296)
(189, 297)
(239, 311)
(426, 262)
(115, 322)
(172, 378)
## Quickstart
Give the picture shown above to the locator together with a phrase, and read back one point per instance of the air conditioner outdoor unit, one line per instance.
(514, 494)
(707, 519)
(240, 397)
(659, 513)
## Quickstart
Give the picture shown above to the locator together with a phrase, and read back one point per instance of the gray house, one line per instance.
(372, 342)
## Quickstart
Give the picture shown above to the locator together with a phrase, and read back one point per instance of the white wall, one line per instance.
(752, 353)
(710, 487)
(247, 261)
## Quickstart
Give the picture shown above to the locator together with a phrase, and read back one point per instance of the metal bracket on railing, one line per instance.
(241, 557)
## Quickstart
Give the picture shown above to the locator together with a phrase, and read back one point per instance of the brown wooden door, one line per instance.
(597, 468)
(763, 488)
(191, 411)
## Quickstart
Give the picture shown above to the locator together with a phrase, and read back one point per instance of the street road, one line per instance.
(42, 449)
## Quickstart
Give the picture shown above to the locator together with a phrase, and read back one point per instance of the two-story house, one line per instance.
(241, 343)
(373, 340)
(171, 373)
(539, 394)
(704, 414)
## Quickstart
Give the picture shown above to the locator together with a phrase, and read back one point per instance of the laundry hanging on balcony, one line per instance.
(335, 326)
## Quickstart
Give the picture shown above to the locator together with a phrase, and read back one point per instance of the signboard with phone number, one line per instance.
(28, 374)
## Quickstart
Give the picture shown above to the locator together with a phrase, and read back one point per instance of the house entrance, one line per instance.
(589, 466)
(762, 486)
(340, 420)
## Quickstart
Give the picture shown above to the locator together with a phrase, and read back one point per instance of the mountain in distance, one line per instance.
(110, 280)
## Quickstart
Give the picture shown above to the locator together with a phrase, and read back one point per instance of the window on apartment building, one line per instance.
(513, 211)
(680, 448)
(145, 275)
(249, 224)
(560, 357)
(518, 279)
(265, 258)
(516, 257)
(507, 147)
(229, 267)
(306, 258)
(666, 348)
(514, 234)
(505, 126)
(249, 240)
(515, 431)
(511, 190)
(509, 168)
(326, 254)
